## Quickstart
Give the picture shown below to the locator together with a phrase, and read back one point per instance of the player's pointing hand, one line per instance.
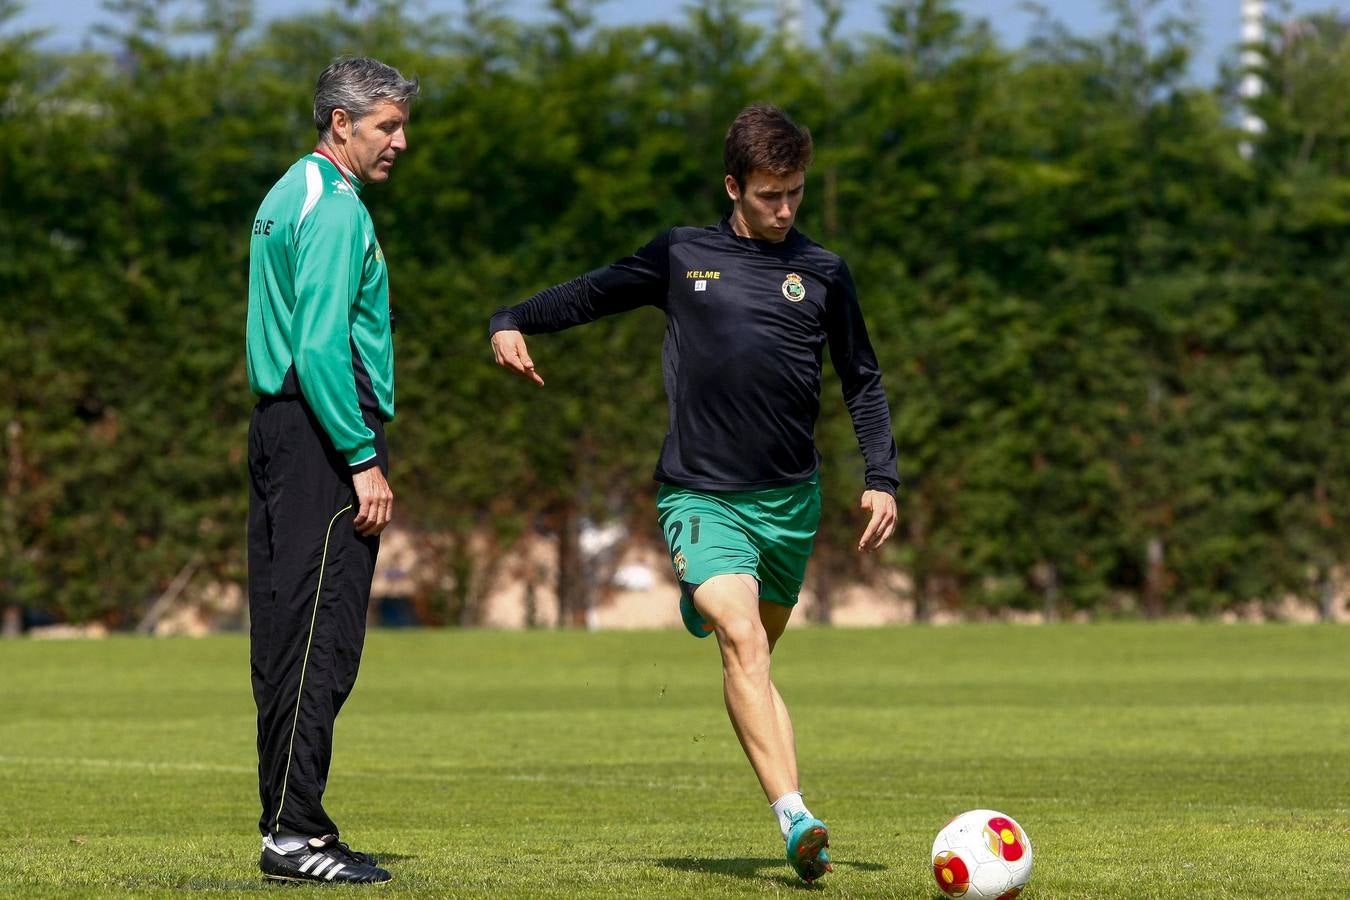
(882, 507)
(508, 348)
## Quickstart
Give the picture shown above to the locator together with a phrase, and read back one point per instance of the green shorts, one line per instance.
(766, 533)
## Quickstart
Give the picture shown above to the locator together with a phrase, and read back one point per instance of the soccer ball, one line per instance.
(982, 855)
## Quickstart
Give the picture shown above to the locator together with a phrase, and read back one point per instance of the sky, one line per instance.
(69, 20)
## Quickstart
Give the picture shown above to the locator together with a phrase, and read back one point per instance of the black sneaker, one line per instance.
(324, 860)
(364, 859)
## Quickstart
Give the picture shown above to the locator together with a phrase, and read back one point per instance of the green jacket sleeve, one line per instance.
(330, 254)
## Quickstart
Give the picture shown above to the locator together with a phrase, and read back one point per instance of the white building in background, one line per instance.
(1253, 35)
(790, 22)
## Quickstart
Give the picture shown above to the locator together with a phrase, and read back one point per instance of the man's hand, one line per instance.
(882, 507)
(508, 347)
(376, 499)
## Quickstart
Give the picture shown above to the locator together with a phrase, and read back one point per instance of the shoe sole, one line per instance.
(288, 879)
(808, 854)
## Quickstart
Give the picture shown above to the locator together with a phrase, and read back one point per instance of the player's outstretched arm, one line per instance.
(882, 525)
(508, 348)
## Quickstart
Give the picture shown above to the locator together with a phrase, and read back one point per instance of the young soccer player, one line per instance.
(750, 305)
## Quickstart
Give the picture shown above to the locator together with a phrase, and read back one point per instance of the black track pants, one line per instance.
(309, 575)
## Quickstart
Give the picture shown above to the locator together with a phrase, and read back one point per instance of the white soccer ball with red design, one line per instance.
(982, 855)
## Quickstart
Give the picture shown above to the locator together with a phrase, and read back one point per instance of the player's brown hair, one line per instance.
(763, 137)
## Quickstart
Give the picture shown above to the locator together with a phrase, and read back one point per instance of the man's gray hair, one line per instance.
(358, 85)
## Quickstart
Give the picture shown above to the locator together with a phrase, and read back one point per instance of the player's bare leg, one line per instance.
(747, 630)
(774, 617)
(731, 605)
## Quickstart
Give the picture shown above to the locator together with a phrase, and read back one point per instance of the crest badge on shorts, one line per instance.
(681, 564)
(793, 289)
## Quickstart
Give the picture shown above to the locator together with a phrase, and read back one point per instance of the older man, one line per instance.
(320, 359)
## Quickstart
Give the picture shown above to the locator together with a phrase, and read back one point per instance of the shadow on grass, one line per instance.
(758, 869)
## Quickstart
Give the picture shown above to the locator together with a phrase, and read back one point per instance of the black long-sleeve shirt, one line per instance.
(747, 321)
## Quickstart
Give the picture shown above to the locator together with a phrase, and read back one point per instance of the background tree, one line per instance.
(1115, 347)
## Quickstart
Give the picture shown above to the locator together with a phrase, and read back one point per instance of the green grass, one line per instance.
(1144, 761)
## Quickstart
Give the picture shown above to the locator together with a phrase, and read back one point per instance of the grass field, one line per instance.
(1144, 761)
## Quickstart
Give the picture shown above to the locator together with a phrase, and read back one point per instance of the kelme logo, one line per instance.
(793, 289)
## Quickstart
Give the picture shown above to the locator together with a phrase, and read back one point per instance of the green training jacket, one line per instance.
(318, 304)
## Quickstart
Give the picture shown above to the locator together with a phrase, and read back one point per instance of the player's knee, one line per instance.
(745, 644)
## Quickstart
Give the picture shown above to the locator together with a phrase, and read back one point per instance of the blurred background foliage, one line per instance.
(1116, 345)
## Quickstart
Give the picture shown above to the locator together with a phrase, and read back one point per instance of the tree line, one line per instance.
(1114, 327)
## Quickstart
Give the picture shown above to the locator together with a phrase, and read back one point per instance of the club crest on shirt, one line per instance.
(793, 289)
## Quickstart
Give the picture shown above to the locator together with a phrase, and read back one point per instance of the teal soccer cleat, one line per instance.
(806, 842)
(693, 620)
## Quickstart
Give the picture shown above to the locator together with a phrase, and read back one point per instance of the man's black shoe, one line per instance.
(325, 860)
(357, 856)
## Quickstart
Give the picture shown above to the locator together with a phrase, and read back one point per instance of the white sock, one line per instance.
(787, 806)
(285, 843)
